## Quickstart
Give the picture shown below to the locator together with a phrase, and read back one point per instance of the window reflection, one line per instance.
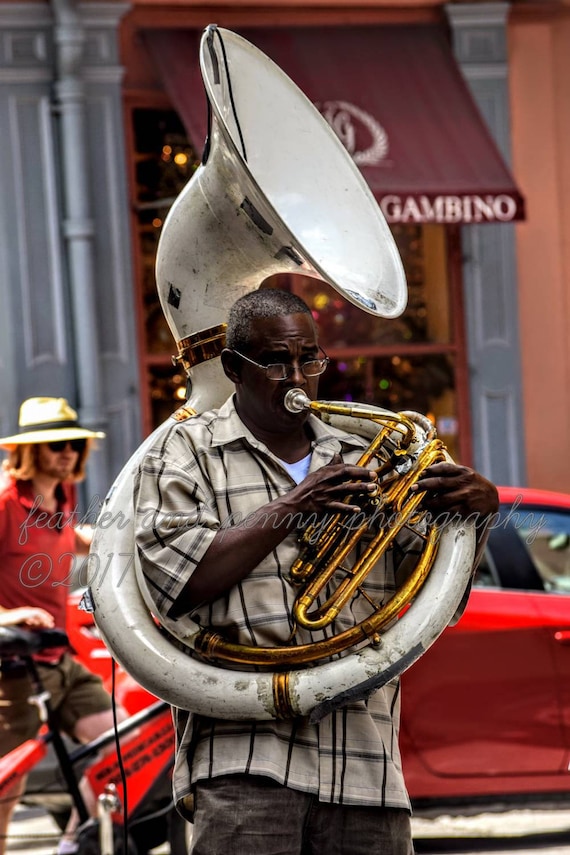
(425, 384)
(165, 161)
(426, 317)
(167, 389)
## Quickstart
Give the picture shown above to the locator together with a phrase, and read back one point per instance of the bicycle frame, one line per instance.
(146, 755)
(20, 760)
(151, 749)
(146, 741)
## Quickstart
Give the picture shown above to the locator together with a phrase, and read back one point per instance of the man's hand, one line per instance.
(458, 490)
(454, 489)
(83, 538)
(327, 488)
(27, 616)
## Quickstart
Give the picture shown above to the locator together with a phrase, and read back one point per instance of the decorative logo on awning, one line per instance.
(367, 142)
(356, 128)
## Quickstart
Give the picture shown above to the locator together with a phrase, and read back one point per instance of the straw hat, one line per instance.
(47, 420)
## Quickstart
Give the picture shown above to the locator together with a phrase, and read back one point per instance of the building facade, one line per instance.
(456, 113)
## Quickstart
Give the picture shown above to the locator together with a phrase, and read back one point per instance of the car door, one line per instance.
(485, 700)
(549, 547)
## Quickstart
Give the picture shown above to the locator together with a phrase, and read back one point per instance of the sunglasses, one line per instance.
(76, 445)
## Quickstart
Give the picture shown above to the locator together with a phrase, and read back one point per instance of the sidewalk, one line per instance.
(33, 831)
(494, 824)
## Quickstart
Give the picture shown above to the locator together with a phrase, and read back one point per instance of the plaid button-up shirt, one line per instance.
(202, 474)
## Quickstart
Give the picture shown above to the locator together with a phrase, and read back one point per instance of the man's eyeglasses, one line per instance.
(60, 444)
(284, 370)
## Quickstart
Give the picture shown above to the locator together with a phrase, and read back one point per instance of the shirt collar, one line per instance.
(27, 497)
(328, 440)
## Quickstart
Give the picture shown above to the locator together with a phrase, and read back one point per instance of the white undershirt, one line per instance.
(298, 470)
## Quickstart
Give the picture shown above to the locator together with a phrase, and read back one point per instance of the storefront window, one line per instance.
(408, 363)
(167, 390)
(164, 162)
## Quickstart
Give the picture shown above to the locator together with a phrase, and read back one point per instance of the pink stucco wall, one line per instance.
(540, 103)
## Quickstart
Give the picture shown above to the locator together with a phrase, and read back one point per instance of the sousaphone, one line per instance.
(276, 193)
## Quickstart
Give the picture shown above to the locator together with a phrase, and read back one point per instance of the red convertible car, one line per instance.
(486, 711)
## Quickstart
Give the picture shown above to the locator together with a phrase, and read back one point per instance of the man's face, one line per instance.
(56, 464)
(290, 339)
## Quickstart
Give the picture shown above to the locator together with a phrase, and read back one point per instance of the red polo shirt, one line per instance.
(37, 552)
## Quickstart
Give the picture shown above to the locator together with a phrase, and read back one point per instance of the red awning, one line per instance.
(397, 99)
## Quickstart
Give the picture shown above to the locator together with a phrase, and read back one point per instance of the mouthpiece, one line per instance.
(296, 401)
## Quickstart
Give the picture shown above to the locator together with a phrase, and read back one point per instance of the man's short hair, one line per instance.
(264, 303)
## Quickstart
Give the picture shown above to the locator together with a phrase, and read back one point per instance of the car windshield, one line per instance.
(528, 549)
(549, 545)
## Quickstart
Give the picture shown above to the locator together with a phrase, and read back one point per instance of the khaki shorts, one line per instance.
(75, 693)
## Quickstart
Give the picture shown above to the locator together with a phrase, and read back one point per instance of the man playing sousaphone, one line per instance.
(225, 491)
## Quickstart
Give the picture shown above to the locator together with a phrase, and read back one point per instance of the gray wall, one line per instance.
(67, 319)
(489, 267)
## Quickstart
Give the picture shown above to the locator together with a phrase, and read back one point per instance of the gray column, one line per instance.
(115, 311)
(489, 269)
(35, 336)
(77, 226)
